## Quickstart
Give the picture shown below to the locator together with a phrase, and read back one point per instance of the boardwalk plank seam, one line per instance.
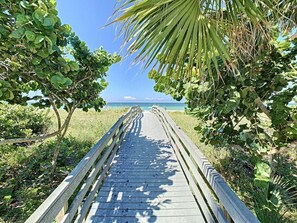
(146, 160)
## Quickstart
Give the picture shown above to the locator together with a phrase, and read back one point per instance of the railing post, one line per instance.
(62, 213)
(113, 137)
(226, 214)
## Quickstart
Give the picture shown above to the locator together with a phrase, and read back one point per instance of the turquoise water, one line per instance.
(146, 106)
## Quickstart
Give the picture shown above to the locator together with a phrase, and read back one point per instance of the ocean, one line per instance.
(146, 106)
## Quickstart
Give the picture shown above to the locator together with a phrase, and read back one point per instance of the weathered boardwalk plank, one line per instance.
(145, 219)
(145, 183)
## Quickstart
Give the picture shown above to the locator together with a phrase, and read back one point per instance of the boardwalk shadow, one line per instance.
(140, 182)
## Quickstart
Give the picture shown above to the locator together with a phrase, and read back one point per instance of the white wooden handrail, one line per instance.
(82, 184)
(216, 199)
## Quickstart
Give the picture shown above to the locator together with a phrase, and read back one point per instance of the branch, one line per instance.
(52, 93)
(294, 36)
(78, 82)
(67, 125)
(263, 108)
(67, 120)
(260, 104)
(25, 140)
(56, 112)
(41, 137)
(4, 65)
(61, 99)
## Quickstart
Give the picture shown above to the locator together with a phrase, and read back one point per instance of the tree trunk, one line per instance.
(59, 140)
(56, 153)
(263, 108)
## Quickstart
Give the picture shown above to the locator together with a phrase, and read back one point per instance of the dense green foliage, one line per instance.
(237, 167)
(25, 179)
(228, 102)
(248, 107)
(40, 54)
(19, 121)
(223, 57)
(44, 63)
(31, 39)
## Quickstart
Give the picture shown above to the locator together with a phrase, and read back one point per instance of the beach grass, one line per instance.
(24, 169)
(89, 126)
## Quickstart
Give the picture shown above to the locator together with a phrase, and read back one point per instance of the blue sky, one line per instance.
(127, 82)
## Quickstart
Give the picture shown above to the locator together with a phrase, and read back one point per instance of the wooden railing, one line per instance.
(216, 199)
(72, 199)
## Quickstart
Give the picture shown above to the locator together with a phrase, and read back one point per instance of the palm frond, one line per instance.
(188, 30)
(272, 203)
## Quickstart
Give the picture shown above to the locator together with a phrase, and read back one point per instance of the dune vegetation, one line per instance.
(25, 168)
(237, 166)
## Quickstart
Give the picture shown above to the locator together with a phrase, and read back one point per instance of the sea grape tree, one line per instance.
(251, 109)
(233, 104)
(40, 54)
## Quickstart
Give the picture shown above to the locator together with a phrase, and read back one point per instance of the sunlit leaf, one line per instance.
(30, 35)
(18, 33)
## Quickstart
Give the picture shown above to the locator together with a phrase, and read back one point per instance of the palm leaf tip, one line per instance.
(185, 30)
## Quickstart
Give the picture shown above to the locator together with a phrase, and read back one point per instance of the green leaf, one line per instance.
(36, 61)
(18, 33)
(53, 3)
(53, 38)
(5, 84)
(61, 60)
(50, 44)
(39, 39)
(41, 74)
(43, 53)
(3, 30)
(21, 19)
(30, 35)
(25, 4)
(7, 95)
(229, 106)
(56, 79)
(66, 29)
(39, 14)
(42, 5)
(7, 198)
(49, 22)
(262, 174)
(73, 66)
(67, 81)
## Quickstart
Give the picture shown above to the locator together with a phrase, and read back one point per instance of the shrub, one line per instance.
(22, 121)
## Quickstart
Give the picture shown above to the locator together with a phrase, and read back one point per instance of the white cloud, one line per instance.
(129, 98)
(155, 99)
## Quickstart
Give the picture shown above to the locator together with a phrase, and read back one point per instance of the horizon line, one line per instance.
(157, 102)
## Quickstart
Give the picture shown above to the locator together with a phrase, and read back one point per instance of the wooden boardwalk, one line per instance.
(144, 169)
(145, 182)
